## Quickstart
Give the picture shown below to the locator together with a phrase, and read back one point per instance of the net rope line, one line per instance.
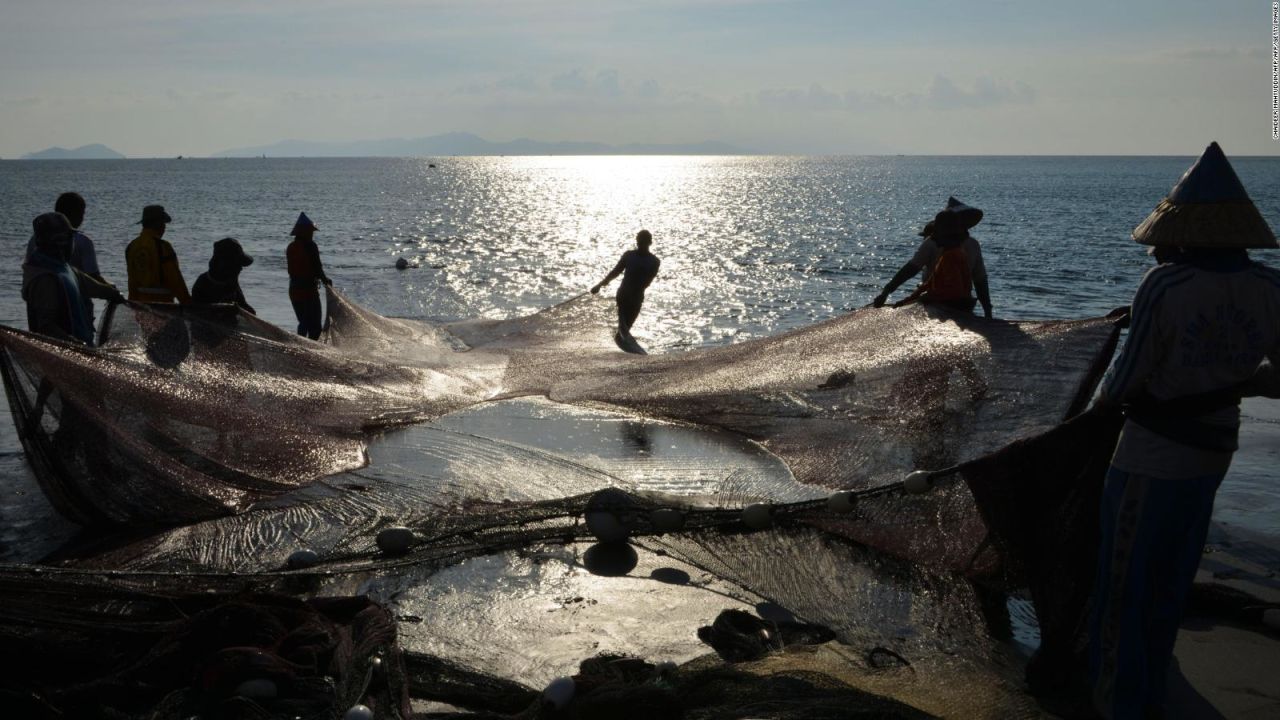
(708, 519)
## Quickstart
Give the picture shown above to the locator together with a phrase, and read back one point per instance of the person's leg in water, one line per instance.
(628, 311)
(308, 312)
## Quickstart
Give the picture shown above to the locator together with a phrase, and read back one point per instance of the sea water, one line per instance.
(750, 246)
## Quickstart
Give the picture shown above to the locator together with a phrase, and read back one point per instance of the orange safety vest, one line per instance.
(950, 281)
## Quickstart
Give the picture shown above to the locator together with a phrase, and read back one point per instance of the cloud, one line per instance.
(815, 97)
(945, 94)
(609, 85)
(30, 101)
(571, 82)
(1217, 54)
(508, 85)
(607, 90)
(942, 93)
(861, 100)
(517, 82)
(605, 83)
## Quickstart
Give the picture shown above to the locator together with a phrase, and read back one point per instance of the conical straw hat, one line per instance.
(303, 224)
(1207, 208)
(966, 215)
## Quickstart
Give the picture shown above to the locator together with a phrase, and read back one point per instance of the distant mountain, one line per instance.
(97, 151)
(467, 144)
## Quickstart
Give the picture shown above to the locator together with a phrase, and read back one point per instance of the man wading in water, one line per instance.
(638, 268)
(305, 273)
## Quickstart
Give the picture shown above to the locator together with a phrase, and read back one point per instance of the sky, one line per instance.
(163, 78)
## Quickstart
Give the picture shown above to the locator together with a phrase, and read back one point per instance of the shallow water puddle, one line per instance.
(535, 449)
(533, 615)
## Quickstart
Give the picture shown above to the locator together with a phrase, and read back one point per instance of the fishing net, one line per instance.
(91, 648)
(254, 443)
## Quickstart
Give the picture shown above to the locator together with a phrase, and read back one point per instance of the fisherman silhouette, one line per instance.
(305, 273)
(1203, 322)
(951, 261)
(638, 268)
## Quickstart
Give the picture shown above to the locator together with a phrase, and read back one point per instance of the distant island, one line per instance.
(459, 143)
(97, 151)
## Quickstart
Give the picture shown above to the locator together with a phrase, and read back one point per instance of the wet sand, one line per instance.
(1225, 668)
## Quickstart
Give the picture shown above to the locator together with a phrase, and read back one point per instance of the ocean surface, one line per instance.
(750, 246)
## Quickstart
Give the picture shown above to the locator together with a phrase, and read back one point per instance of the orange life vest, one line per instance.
(950, 280)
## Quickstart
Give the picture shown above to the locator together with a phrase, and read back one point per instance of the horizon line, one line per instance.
(708, 155)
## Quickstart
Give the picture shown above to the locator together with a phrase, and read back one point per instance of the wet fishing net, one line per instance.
(248, 444)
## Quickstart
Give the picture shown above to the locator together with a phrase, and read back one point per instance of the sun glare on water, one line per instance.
(575, 216)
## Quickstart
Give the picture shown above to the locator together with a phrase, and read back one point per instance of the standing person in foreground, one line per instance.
(638, 268)
(221, 284)
(305, 273)
(55, 291)
(951, 261)
(154, 275)
(1202, 324)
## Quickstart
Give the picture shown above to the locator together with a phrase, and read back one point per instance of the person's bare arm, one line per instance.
(314, 251)
(95, 288)
(907, 272)
(984, 293)
(615, 272)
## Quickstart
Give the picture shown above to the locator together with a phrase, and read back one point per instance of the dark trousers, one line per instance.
(309, 316)
(1153, 533)
(628, 310)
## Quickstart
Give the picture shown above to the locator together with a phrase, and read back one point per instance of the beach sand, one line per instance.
(1225, 669)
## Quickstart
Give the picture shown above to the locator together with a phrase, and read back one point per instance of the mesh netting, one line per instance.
(93, 648)
(226, 425)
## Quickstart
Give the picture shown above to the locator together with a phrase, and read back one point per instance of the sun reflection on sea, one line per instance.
(564, 222)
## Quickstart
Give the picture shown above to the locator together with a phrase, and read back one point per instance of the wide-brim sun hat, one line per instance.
(1208, 208)
(231, 250)
(152, 214)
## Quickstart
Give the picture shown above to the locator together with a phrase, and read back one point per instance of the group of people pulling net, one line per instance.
(944, 477)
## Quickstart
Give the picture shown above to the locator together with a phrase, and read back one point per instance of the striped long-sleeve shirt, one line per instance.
(1197, 327)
